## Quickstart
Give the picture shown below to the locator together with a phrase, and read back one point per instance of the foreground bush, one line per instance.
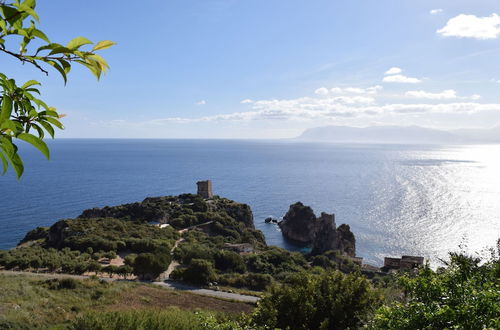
(172, 319)
(330, 300)
(464, 295)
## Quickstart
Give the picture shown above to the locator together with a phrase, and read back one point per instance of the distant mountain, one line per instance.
(400, 134)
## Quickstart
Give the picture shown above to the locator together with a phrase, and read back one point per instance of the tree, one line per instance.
(331, 300)
(21, 111)
(199, 271)
(464, 295)
(149, 265)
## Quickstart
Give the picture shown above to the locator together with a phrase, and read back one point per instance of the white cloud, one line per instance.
(393, 70)
(448, 94)
(444, 95)
(374, 89)
(246, 101)
(321, 91)
(326, 108)
(355, 90)
(436, 11)
(202, 102)
(471, 26)
(399, 78)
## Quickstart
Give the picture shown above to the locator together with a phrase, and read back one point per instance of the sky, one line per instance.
(272, 68)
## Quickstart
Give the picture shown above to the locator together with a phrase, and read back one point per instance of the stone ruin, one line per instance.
(405, 262)
(205, 189)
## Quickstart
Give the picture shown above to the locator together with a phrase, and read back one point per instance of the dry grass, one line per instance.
(31, 302)
(151, 297)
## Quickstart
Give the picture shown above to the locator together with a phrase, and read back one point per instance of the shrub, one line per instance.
(149, 265)
(63, 283)
(172, 319)
(199, 271)
(464, 295)
(331, 300)
(229, 261)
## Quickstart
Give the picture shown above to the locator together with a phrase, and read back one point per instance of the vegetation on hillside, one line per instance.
(463, 295)
(34, 302)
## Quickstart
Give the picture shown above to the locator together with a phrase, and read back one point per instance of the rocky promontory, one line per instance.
(301, 225)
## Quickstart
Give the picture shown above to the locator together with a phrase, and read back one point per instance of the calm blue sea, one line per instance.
(398, 199)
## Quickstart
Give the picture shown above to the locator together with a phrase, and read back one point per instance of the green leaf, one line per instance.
(60, 50)
(39, 34)
(78, 42)
(17, 164)
(5, 164)
(58, 67)
(36, 142)
(7, 146)
(30, 83)
(6, 108)
(55, 122)
(29, 11)
(48, 128)
(8, 124)
(93, 66)
(103, 45)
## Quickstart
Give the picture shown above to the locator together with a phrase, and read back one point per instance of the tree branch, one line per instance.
(23, 59)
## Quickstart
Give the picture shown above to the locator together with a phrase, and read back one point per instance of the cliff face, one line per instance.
(57, 233)
(300, 224)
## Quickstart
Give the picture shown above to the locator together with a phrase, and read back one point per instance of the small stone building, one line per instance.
(205, 189)
(405, 262)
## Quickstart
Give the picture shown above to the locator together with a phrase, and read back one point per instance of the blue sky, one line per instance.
(270, 68)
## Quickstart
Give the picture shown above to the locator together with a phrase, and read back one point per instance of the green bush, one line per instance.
(149, 265)
(172, 319)
(228, 261)
(464, 295)
(331, 300)
(63, 283)
(250, 281)
(198, 271)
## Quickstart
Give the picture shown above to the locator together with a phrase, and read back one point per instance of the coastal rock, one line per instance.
(301, 225)
(57, 232)
(270, 220)
(238, 211)
(330, 238)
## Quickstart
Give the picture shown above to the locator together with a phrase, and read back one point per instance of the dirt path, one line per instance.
(165, 276)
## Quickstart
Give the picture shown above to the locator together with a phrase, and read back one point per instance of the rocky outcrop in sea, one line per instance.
(301, 225)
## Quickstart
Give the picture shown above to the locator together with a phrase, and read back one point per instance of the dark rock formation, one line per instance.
(270, 220)
(57, 233)
(300, 224)
(329, 238)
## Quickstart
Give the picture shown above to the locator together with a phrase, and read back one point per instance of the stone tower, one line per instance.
(205, 189)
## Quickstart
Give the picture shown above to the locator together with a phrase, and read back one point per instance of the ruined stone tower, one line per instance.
(205, 189)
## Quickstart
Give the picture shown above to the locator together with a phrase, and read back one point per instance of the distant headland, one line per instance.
(400, 135)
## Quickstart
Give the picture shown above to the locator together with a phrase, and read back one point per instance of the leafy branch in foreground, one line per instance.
(20, 111)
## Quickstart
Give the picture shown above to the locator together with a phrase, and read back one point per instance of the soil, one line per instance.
(149, 297)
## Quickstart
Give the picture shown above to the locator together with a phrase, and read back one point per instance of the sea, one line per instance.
(424, 200)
